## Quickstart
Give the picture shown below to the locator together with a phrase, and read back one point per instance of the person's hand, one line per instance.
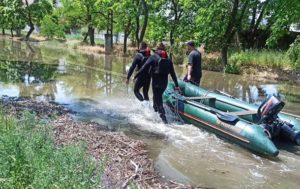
(189, 77)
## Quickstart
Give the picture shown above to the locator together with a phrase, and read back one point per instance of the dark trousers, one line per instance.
(158, 102)
(142, 83)
(192, 81)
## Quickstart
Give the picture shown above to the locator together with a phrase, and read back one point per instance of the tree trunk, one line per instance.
(230, 31)
(172, 40)
(18, 32)
(29, 32)
(224, 55)
(137, 31)
(145, 23)
(85, 37)
(91, 33)
(12, 32)
(31, 25)
(140, 32)
(125, 44)
(3, 31)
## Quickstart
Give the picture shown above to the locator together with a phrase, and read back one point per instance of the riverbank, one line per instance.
(125, 162)
(263, 68)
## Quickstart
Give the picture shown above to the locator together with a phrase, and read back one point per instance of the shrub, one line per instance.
(294, 53)
(232, 68)
(50, 28)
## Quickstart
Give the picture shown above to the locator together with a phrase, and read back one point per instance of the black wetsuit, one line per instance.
(159, 81)
(143, 81)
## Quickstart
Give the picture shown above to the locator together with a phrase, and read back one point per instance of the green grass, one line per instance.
(30, 159)
(262, 59)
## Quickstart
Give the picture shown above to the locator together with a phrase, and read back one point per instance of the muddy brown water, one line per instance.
(93, 86)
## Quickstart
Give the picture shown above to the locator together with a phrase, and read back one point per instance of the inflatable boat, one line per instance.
(253, 127)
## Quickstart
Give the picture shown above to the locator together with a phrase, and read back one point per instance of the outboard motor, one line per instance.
(268, 114)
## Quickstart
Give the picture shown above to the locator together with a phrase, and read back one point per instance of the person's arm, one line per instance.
(189, 72)
(173, 74)
(133, 66)
(146, 66)
(190, 67)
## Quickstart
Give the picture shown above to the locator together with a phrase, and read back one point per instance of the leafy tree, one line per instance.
(125, 16)
(142, 15)
(218, 21)
(50, 28)
(10, 16)
(282, 15)
(33, 12)
(90, 14)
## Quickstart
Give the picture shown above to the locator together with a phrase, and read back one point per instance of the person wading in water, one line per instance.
(144, 79)
(194, 72)
(159, 66)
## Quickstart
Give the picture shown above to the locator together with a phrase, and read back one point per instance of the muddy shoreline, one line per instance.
(127, 160)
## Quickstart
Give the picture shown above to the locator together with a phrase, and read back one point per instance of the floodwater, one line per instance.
(94, 87)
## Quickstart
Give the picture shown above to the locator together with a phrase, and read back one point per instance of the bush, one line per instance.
(29, 158)
(232, 68)
(294, 53)
(50, 28)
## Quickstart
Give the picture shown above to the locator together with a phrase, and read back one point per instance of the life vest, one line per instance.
(162, 67)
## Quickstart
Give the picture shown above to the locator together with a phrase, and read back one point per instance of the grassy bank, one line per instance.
(30, 159)
(262, 59)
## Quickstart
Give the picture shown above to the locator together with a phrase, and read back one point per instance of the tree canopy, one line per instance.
(220, 24)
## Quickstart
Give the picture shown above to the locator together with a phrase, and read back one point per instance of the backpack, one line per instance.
(162, 67)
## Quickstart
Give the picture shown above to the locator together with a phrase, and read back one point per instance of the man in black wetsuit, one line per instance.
(143, 81)
(160, 67)
(194, 72)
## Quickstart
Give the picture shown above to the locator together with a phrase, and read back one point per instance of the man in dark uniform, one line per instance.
(160, 67)
(194, 72)
(143, 81)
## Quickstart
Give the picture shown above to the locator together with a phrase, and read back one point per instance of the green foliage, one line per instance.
(294, 53)
(232, 68)
(178, 53)
(262, 59)
(283, 15)
(29, 158)
(50, 28)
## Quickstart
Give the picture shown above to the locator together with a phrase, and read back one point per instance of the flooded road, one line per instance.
(94, 87)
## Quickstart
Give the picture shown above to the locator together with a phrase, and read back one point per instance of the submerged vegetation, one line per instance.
(29, 157)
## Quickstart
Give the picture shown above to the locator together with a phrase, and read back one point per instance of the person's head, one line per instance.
(190, 46)
(143, 45)
(160, 46)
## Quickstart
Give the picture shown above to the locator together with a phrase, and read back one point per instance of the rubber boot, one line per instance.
(162, 114)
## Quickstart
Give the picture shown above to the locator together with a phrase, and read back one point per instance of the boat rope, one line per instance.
(205, 95)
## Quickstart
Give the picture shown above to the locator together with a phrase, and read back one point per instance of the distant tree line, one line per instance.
(220, 24)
